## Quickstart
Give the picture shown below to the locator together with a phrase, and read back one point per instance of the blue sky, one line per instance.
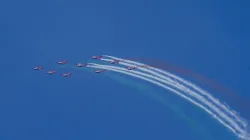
(209, 37)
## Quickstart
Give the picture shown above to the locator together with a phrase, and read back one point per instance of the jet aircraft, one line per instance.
(67, 74)
(132, 67)
(97, 57)
(63, 62)
(99, 71)
(38, 68)
(114, 61)
(81, 65)
(51, 72)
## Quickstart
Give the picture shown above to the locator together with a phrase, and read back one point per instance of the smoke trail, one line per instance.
(176, 92)
(189, 92)
(152, 69)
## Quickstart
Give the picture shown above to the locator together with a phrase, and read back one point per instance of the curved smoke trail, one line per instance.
(174, 91)
(190, 92)
(235, 128)
(217, 111)
(218, 104)
(153, 70)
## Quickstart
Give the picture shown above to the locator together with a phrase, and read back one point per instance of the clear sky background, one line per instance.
(209, 37)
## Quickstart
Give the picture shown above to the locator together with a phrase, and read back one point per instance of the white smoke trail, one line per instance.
(203, 92)
(190, 92)
(179, 85)
(240, 135)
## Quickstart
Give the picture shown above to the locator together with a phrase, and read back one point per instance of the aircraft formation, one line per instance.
(69, 74)
(171, 82)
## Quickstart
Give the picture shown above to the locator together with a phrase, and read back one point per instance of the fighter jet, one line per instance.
(114, 61)
(97, 57)
(132, 67)
(38, 68)
(99, 71)
(67, 74)
(81, 65)
(51, 72)
(63, 62)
